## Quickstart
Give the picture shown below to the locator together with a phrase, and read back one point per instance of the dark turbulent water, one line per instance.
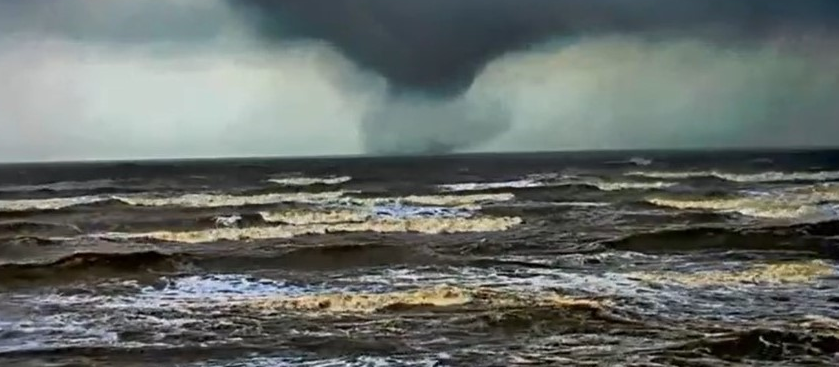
(632, 259)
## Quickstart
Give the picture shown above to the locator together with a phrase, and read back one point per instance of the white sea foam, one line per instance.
(189, 200)
(619, 186)
(48, 204)
(392, 211)
(640, 161)
(804, 203)
(310, 181)
(480, 186)
(416, 225)
(557, 180)
(670, 175)
(331, 198)
(770, 176)
(747, 206)
(228, 221)
(211, 288)
(304, 217)
(360, 361)
(222, 200)
(439, 200)
(402, 211)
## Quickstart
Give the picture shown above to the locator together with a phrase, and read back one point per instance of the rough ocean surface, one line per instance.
(631, 259)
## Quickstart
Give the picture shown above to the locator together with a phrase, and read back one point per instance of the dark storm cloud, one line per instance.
(433, 50)
(439, 46)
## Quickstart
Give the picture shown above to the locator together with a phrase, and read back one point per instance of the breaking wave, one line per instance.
(769, 274)
(804, 203)
(187, 201)
(303, 217)
(553, 180)
(767, 177)
(439, 296)
(362, 214)
(410, 225)
(213, 201)
(759, 208)
(225, 200)
(360, 361)
(26, 205)
(310, 181)
(482, 186)
(472, 201)
(619, 186)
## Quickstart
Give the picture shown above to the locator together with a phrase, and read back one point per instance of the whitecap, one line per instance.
(815, 202)
(310, 181)
(48, 204)
(481, 186)
(387, 211)
(304, 217)
(769, 176)
(228, 221)
(401, 211)
(640, 161)
(219, 287)
(430, 225)
(359, 361)
(438, 200)
(557, 180)
(620, 186)
(223, 200)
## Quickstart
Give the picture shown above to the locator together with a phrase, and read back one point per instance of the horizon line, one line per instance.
(791, 149)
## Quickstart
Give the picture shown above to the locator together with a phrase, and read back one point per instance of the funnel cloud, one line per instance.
(185, 78)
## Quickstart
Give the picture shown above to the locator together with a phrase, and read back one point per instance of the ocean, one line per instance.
(643, 258)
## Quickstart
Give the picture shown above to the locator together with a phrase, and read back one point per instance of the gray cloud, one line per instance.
(119, 22)
(439, 46)
(79, 85)
(151, 78)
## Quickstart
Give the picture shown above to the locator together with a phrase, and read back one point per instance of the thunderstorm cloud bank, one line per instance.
(122, 79)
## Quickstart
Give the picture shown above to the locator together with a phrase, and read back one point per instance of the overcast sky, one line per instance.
(88, 79)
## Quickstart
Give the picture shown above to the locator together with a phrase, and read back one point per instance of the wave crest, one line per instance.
(310, 181)
(220, 200)
(26, 205)
(805, 203)
(439, 296)
(771, 176)
(746, 206)
(410, 225)
(304, 217)
(445, 200)
(773, 274)
(554, 180)
(482, 186)
(619, 186)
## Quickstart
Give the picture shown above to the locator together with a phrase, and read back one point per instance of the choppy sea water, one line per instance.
(633, 259)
